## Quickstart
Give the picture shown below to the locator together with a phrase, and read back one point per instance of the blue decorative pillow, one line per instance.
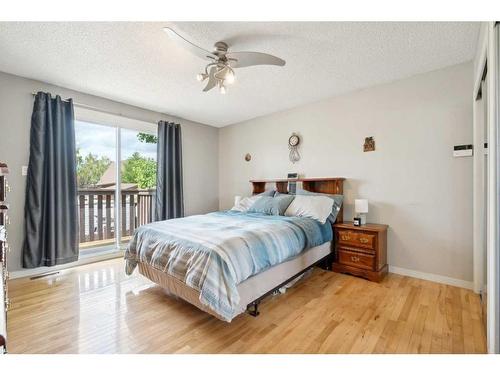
(337, 202)
(272, 205)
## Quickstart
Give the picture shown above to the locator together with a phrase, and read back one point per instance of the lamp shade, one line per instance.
(361, 206)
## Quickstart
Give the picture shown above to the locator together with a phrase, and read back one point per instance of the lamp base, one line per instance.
(362, 218)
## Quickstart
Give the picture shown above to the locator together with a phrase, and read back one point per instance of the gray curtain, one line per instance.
(50, 211)
(169, 196)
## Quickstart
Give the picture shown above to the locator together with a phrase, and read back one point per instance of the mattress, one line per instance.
(250, 289)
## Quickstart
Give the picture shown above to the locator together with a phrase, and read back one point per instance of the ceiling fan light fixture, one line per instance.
(230, 77)
(201, 77)
(220, 71)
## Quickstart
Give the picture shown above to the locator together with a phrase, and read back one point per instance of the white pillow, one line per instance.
(314, 206)
(245, 203)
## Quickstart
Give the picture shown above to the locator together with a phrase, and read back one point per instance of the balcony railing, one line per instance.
(97, 214)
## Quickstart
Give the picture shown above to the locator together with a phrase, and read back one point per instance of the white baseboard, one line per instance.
(82, 261)
(432, 277)
(393, 269)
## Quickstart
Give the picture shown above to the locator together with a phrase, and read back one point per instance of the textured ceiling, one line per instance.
(136, 63)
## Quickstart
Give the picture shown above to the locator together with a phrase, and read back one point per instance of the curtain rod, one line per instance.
(97, 109)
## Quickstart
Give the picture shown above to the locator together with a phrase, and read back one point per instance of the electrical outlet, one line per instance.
(24, 170)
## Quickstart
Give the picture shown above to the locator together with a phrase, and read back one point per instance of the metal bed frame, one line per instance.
(324, 263)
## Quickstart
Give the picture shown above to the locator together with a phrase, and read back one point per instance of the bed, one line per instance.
(226, 262)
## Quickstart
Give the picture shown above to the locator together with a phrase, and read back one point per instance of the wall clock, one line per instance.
(293, 145)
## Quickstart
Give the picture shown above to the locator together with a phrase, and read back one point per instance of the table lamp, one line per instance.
(361, 209)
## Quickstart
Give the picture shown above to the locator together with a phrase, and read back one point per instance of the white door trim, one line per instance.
(493, 328)
(479, 208)
(488, 52)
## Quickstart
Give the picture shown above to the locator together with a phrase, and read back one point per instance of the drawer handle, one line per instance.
(354, 258)
(346, 238)
(363, 240)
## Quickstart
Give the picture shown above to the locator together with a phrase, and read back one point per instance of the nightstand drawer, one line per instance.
(358, 239)
(359, 260)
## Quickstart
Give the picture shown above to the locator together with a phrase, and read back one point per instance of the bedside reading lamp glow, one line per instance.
(361, 209)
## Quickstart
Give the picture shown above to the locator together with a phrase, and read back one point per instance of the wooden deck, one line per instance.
(98, 309)
(97, 216)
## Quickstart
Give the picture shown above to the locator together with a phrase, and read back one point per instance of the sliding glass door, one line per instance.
(96, 173)
(109, 212)
(138, 180)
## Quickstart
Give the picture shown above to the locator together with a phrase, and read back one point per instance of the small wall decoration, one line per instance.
(248, 157)
(369, 144)
(293, 145)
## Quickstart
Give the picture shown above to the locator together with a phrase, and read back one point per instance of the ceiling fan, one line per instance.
(220, 71)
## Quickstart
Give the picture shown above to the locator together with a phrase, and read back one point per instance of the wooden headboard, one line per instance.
(327, 185)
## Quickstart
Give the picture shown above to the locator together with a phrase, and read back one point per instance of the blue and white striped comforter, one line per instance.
(213, 253)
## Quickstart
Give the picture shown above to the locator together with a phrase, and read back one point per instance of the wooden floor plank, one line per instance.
(98, 309)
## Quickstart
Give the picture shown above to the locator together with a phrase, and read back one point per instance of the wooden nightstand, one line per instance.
(361, 251)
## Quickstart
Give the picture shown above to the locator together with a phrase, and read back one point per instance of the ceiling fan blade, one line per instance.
(245, 59)
(187, 45)
(212, 81)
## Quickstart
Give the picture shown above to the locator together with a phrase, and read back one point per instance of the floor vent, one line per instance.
(44, 275)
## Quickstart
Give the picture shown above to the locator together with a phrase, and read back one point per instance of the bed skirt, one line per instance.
(250, 289)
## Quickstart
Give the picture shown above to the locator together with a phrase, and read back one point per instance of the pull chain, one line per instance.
(294, 154)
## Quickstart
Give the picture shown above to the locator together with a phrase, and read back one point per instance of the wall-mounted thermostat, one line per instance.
(462, 150)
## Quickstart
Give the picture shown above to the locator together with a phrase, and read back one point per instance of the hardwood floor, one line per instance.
(98, 309)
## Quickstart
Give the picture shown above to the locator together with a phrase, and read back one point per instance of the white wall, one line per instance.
(412, 181)
(200, 149)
